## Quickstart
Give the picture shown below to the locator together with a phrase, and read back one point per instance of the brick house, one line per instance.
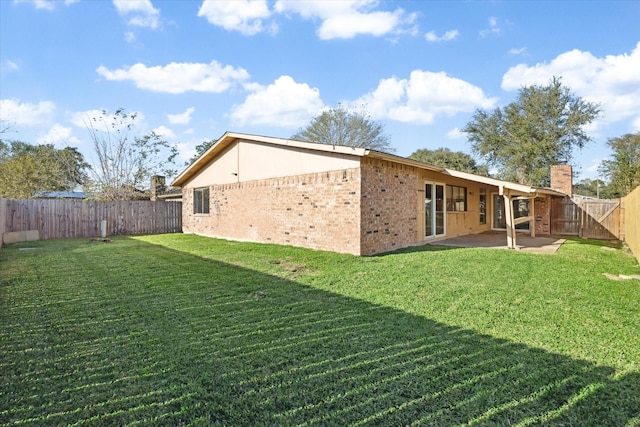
(344, 199)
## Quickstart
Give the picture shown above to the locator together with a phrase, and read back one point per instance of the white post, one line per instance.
(532, 213)
(511, 228)
(103, 228)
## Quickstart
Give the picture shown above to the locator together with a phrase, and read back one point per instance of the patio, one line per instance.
(498, 240)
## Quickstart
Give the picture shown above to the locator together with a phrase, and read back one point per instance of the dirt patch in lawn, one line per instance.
(622, 276)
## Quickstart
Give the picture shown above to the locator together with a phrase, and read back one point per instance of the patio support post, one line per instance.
(532, 213)
(511, 228)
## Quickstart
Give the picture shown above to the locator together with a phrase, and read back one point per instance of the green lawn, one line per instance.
(186, 330)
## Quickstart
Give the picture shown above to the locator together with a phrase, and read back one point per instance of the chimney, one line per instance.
(157, 186)
(562, 179)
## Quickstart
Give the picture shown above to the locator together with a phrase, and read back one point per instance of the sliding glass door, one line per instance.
(434, 209)
(521, 207)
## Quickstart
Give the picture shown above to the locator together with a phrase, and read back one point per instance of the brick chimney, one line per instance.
(157, 186)
(562, 179)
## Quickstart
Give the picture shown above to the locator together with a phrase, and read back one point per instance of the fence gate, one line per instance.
(589, 218)
(599, 219)
(565, 217)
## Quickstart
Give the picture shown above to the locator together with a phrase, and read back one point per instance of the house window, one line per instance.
(201, 200)
(456, 198)
(483, 206)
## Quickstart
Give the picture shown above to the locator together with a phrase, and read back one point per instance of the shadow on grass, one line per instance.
(133, 333)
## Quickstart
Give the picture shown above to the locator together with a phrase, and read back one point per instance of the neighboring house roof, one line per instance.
(170, 193)
(64, 195)
(231, 137)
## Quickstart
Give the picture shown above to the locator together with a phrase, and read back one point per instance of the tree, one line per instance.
(27, 171)
(200, 150)
(446, 158)
(525, 138)
(338, 126)
(125, 163)
(623, 170)
(593, 188)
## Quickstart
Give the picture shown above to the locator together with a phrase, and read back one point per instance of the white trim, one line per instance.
(444, 211)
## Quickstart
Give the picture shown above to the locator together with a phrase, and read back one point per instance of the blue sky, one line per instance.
(195, 69)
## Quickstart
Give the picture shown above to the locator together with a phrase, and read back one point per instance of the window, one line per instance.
(201, 200)
(483, 206)
(456, 198)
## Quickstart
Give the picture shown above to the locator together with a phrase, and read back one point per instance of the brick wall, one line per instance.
(542, 212)
(562, 179)
(389, 206)
(317, 211)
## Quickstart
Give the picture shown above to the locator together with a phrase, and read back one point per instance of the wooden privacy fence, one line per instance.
(632, 221)
(588, 218)
(68, 218)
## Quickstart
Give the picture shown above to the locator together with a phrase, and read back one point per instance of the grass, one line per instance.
(186, 330)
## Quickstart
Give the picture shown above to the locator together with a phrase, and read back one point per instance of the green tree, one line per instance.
(124, 162)
(339, 126)
(541, 128)
(446, 158)
(623, 170)
(200, 150)
(27, 171)
(593, 188)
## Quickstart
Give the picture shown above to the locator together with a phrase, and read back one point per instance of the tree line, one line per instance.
(125, 162)
(543, 126)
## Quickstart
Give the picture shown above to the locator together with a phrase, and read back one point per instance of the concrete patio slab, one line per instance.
(498, 240)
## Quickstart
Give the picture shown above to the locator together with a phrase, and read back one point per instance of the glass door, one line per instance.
(434, 209)
(521, 207)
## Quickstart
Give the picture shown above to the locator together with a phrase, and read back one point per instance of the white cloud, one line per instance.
(423, 97)
(347, 19)
(82, 119)
(431, 36)
(9, 65)
(339, 19)
(179, 77)
(494, 28)
(456, 133)
(140, 13)
(284, 103)
(245, 16)
(105, 120)
(186, 150)
(612, 81)
(130, 37)
(59, 135)
(595, 164)
(13, 111)
(182, 118)
(164, 132)
(517, 51)
(46, 4)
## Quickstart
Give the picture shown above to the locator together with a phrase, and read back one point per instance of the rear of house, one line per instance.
(344, 199)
